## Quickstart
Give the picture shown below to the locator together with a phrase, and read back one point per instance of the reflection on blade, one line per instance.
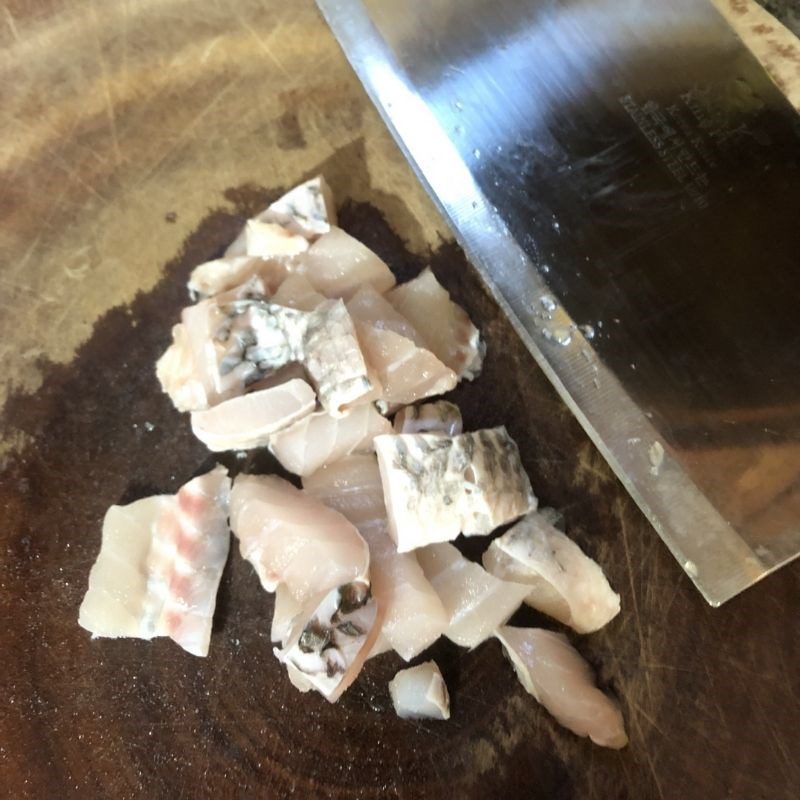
(626, 179)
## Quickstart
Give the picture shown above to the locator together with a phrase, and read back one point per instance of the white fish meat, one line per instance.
(271, 240)
(297, 292)
(334, 360)
(286, 610)
(207, 361)
(414, 617)
(249, 421)
(420, 693)
(327, 647)
(320, 439)
(293, 371)
(558, 677)
(188, 370)
(564, 582)
(400, 366)
(438, 486)
(370, 307)
(439, 416)
(269, 336)
(443, 325)
(160, 564)
(352, 486)
(223, 274)
(226, 344)
(307, 210)
(476, 602)
(291, 538)
(403, 372)
(339, 265)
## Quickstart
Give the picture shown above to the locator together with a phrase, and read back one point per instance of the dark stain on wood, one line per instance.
(289, 134)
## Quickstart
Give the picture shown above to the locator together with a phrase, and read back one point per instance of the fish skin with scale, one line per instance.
(437, 486)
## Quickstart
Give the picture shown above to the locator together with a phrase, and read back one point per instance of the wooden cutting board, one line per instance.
(137, 138)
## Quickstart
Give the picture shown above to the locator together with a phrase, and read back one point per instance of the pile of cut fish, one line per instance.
(300, 341)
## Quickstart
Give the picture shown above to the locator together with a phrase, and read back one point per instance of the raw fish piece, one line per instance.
(293, 371)
(307, 210)
(284, 614)
(188, 370)
(320, 439)
(207, 361)
(223, 274)
(437, 417)
(297, 292)
(160, 564)
(438, 486)
(272, 240)
(339, 265)
(444, 326)
(245, 422)
(327, 649)
(370, 307)
(333, 358)
(558, 677)
(400, 367)
(414, 617)
(564, 582)
(413, 614)
(263, 337)
(476, 602)
(404, 372)
(291, 538)
(352, 486)
(420, 693)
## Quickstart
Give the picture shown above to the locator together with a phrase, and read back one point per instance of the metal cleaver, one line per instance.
(627, 180)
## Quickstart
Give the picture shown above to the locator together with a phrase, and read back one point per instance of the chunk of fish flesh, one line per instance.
(414, 617)
(564, 582)
(558, 677)
(420, 693)
(284, 614)
(245, 422)
(291, 538)
(207, 361)
(293, 371)
(160, 564)
(188, 370)
(444, 326)
(334, 360)
(297, 292)
(476, 602)
(307, 210)
(352, 486)
(438, 486)
(404, 372)
(271, 240)
(261, 337)
(439, 416)
(328, 648)
(224, 274)
(320, 439)
(370, 307)
(339, 265)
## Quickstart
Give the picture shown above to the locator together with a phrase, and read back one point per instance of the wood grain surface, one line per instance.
(137, 138)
